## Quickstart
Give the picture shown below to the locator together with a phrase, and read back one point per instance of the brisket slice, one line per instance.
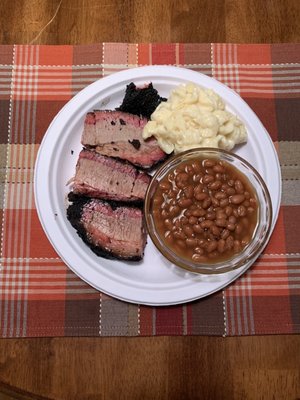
(107, 178)
(111, 230)
(119, 134)
(140, 101)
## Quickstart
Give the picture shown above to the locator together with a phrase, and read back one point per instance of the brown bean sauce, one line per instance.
(205, 210)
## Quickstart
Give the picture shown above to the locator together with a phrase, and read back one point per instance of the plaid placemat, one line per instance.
(39, 295)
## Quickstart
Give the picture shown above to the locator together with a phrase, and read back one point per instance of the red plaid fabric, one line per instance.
(39, 295)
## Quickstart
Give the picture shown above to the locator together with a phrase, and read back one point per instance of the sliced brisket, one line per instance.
(107, 178)
(111, 230)
(140, 101)
(119, 134)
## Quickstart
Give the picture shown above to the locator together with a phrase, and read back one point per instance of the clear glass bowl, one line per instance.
(264, 222)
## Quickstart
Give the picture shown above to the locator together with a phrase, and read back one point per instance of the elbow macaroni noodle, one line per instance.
(194, 117)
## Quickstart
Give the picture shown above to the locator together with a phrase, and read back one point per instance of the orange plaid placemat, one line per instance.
(39, 295)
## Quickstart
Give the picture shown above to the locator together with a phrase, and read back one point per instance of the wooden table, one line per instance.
(260, 367)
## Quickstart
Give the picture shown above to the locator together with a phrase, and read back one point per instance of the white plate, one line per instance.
(154, 281)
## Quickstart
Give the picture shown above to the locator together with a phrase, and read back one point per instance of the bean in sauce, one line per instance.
(206, 210)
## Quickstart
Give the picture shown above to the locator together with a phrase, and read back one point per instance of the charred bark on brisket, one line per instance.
(118, 246)
(140, 101)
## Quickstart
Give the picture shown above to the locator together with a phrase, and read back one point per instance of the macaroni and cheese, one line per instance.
(194, 117)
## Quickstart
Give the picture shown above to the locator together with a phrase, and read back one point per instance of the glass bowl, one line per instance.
(264, 213)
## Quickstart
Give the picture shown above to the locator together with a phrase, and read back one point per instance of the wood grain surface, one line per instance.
(247, 368)
(92, 21)
(260, 367)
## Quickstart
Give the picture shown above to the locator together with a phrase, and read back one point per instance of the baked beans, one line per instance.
(205, 210)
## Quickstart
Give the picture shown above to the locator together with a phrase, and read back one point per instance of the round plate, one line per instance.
(153, 281)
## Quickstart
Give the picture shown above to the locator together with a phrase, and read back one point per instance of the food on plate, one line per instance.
(119, 134)
(140, 100)
(112, 230)
(108, 178)
(194, 117)
(108, 169)
(205, 210)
